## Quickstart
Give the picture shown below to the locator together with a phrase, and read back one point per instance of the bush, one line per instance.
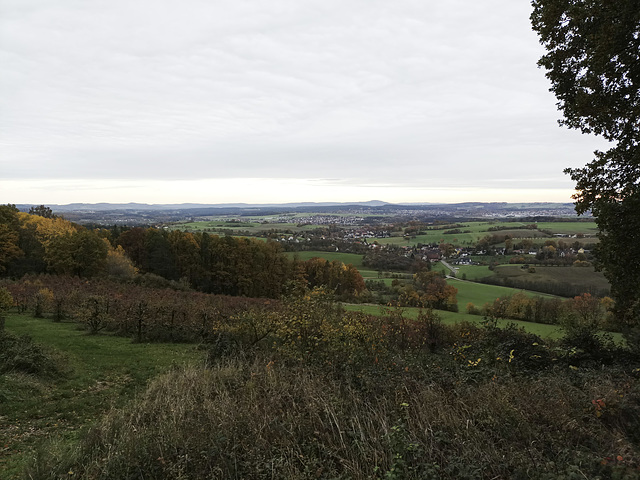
(22, 355)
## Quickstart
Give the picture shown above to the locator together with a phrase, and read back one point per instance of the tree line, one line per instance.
(35, 244)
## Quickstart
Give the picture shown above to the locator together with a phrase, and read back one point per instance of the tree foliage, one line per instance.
(42, 211)
(593, 63)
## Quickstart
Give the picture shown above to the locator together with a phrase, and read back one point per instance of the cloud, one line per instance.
(371, 91)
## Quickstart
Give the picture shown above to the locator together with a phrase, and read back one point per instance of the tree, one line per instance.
(81, 253)
(9, 238)
(42, 211)
(117, 264)
(593, 63)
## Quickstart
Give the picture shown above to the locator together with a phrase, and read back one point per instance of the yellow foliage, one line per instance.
(46, 228)
(118, 264)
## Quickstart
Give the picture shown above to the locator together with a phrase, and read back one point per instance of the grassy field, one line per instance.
(449, 318)
(479, 293)
(234, 227)
(585, 276)
(569, 228)
(346, 258)
(218, 226)
(435, 236)
(101, 371)
(473, 272)
(476, 293)
(474, 232)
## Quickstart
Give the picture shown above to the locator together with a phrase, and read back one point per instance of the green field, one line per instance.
(585, 276)
(569, 228)
(480, 293)
(473, 272)
(449, 318)
(346, 258)
(218, 227)
(102, 371)
(436, 236)
(475, 232)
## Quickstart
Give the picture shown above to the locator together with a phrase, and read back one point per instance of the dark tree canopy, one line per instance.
(42, 211)
(593, 63)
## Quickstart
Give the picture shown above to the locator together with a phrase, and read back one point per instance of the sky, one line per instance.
(166, 101)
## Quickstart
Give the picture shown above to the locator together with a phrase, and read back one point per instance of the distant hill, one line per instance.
(102, 207)
(150, 214)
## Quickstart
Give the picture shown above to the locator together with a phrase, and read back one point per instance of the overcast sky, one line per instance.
(163, 101)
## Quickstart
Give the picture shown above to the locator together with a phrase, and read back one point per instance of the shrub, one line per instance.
(21, 354)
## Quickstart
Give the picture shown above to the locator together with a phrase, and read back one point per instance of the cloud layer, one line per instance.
(405, 94)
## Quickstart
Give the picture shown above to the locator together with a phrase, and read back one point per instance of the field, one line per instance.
(478, 230)
(346, 258)
(579, 276)
(435, 236)
(476, 293)
(473, 272)
(569, 228)
(479, 293)
(218, 227)
(100, 371)
(474, 231)
(450, 318)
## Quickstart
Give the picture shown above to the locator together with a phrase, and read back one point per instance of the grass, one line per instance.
(506, 405)
(450, 318)
(584, 276)
(479, 293)
(346, 258)
(569, 228)
(220, 227)
(241, 419)
(102, 370)
(473, 272)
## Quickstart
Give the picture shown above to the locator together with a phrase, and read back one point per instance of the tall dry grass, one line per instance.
(245, 419)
